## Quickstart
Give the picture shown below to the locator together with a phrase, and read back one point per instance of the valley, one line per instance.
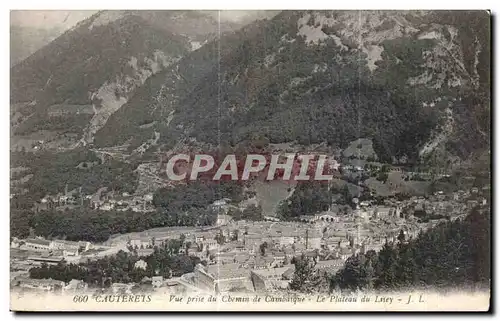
(397, 101)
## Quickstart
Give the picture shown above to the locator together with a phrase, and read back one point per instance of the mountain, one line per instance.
(416, 83)
(65, 92)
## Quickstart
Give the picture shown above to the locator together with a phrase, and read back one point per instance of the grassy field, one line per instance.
(269, 194)
(396, 184)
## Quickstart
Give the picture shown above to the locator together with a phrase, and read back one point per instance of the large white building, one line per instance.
(39, 244)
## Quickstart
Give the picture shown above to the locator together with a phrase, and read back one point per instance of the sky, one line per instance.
(48, 19)
(64, 19)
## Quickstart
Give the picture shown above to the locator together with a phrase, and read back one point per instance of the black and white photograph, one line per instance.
(250, 160)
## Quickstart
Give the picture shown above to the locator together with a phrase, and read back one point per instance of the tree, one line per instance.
(401, 237)
(220, 238)
(382, 177)
(187, 246)
(453, 253)
(252, 213)
(235, 235)
(129, 246)
(358, 273)
(346, 194)
(306, 278)
(386, 266)
(369, 274)
(407, 270)
(263, 247)
(307, 198)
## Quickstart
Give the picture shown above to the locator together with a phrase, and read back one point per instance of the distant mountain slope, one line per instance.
(76, 82)
(187, 22)
(100, 62)
(415, 82)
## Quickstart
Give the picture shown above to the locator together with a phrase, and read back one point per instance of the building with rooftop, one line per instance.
(270, 279)
(157, 281)
(40, 284)
(222, 278)
(38, 244)
(330, 266)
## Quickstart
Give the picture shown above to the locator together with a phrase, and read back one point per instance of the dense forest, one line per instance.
(81, 60)
(184, 205)
(85, 224)
(308, 109)
(250, 213)
(53, 172)
(451, 254)
(313, 197)
(196, 194)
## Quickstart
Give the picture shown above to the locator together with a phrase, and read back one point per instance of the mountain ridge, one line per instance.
(111, 53)
(299, 57)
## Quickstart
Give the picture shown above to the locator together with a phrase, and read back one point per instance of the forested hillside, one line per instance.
(404, 79)
(452, 254)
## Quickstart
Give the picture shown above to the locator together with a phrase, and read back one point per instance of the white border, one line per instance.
(193, 4)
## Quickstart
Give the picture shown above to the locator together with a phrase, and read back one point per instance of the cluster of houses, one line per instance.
(101, 200)
(252, 256)
(262, 259)
(257, 255)
(49, 285)
(56, 248)
(232, 278)
(239, 251)
(33, 252)
(450, 205)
